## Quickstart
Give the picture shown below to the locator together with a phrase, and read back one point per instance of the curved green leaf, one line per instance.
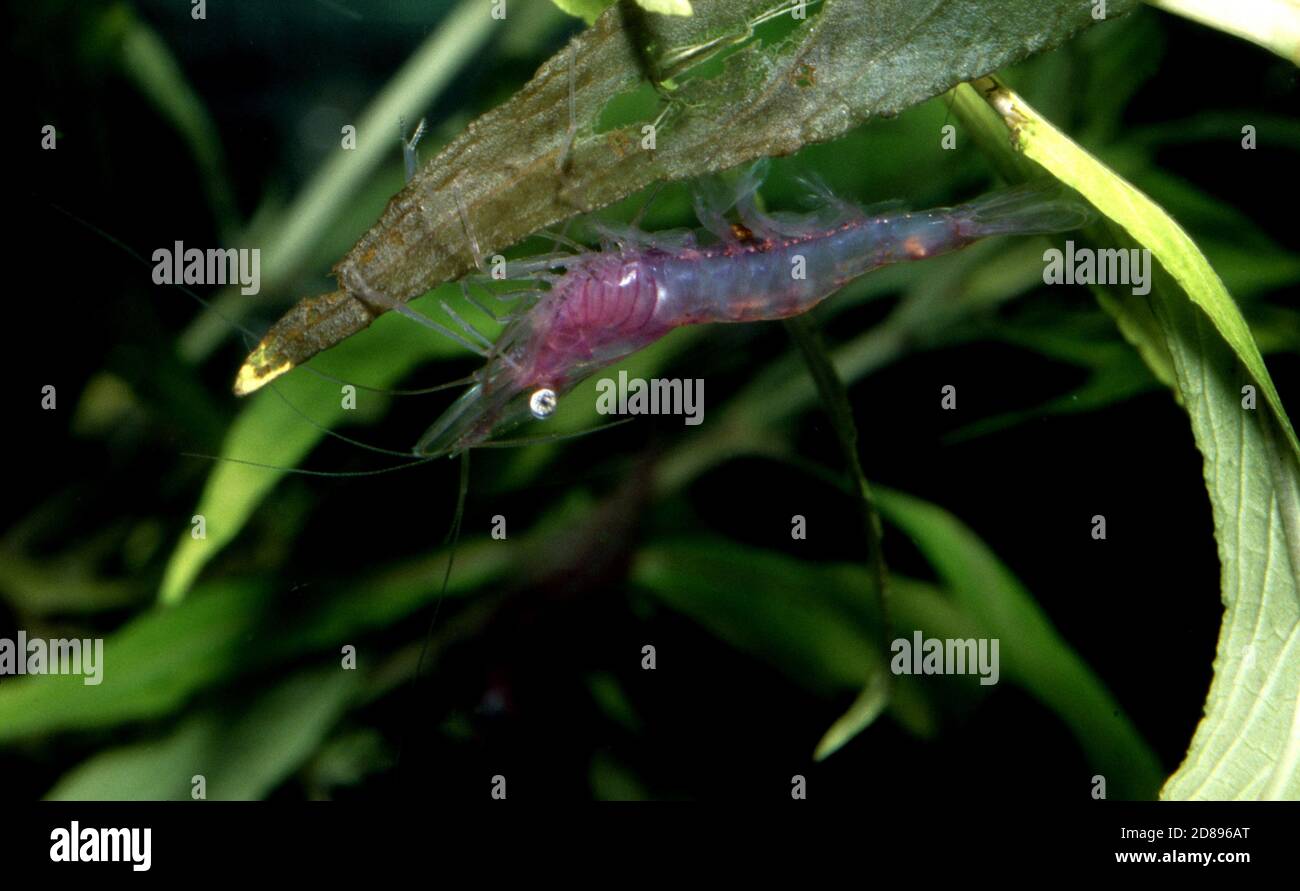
(820, 624)
(1191, 332)
(1034, 656)
(1272, 24)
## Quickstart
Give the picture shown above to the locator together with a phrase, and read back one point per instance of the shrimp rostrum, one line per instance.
(600, 306)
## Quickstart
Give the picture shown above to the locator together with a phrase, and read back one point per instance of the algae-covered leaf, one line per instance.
(737, 80)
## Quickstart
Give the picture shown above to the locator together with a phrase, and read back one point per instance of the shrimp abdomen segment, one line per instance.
(783, 277)
(790, 270)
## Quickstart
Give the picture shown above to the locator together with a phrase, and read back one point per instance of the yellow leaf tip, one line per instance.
(255, 374)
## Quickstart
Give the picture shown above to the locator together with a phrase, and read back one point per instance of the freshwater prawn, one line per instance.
(590, 308)
(595, 307)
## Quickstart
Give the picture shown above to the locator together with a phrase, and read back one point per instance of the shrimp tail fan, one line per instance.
(1034, 208)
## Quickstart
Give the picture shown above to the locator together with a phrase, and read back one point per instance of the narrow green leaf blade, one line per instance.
(241, 755)
(1034, 656)
(160, 659)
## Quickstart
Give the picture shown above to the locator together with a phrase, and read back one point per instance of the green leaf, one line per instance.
(820, 625)
(1272, 24)
(762, 604)
(1115, 372)
(1247, 746)
(283, 424)
(1034, 656)
(149, 64)
(1141, 219)
(612, 781)
(150, 667)
(160, 659)
(871, 702)
(588, 10)
(242, 753)
(610, 696)
(667, 7)
(875, 695)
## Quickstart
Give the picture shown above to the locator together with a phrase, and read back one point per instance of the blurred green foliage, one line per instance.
(238, 680)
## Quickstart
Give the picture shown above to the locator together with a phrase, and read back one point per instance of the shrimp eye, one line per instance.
(542, 403)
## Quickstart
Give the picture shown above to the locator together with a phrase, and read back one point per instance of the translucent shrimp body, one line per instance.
(609, 304)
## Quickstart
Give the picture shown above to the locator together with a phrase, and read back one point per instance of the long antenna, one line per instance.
(453, 537)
